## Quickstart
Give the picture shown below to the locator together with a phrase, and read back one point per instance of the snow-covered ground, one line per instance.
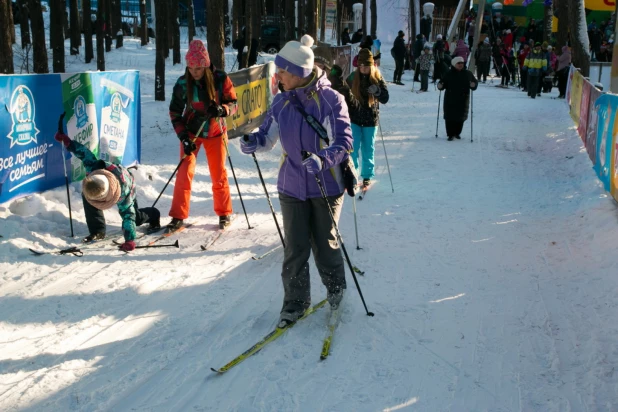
(490, 269)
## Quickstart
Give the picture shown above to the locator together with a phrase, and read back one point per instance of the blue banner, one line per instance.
(607, 107)
(30, 159)
(103, 111)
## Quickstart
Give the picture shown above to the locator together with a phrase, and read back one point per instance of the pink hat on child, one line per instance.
(197, 56)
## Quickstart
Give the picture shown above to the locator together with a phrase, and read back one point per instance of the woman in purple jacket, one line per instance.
(306, 221)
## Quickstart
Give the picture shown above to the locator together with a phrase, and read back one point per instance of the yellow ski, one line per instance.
(266, 340)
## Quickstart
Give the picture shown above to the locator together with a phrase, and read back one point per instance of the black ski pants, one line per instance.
(95, 219)
(398, 69)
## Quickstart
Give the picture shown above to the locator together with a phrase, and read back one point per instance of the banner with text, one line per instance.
(255, 88)
(102, 109)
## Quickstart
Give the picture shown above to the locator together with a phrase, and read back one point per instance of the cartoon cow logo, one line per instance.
(22, 112)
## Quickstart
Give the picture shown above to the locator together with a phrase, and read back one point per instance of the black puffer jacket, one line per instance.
(362, 114)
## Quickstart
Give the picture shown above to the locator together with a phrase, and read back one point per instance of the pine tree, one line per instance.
(38, 37)
(162, 49)
(581, 43)
(562, 36)
(175, 29)
(56, 33)
(144, 23)
(87, 23)
(374, 18)
(215, 33)
(190, 19)
(101, 34)
(76, 37)
(24, 23)
(6, 48)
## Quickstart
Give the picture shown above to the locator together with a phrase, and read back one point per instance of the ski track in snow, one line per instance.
(489, 270)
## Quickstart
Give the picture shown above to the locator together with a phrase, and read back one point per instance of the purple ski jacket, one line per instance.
(285, 123)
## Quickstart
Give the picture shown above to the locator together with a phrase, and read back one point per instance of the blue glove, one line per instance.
(313, 164)
(248, 144)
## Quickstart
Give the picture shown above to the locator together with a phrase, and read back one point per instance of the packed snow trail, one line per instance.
(490, 271)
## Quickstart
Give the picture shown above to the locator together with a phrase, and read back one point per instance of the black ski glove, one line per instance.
(216, 110)
(188, 146)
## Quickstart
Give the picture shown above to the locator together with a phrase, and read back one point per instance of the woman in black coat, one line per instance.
(457, 84)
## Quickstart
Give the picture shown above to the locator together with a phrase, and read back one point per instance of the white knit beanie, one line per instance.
(296, 57)
(456, 60)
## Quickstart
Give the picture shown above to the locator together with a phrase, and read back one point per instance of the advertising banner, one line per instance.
(30, 159)
(583, 111)
(607, 106)
(572, 71)
(576, 96)
(255, 89)
(591, 133)
(102, 109)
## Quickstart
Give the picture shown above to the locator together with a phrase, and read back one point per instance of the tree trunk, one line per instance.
(170, 24)
(144, 23)
(117, 31)
(87, 23)
(476, 37)
(161, 35)
(301, 19)
(310, 23)
(322, 21)
(215, 32)
(56, 24)
(562, 36)
(108, 25)
(248, 33)
(24, 23)
(39, 58)
(175, 32)
(547, 20)
(76, 35)
(165, 21)
(364, 17)
(236, 18)
(11, 23)
(579, 36)
(289, 20)
(101, 35)
(191, 19)
(374, 18)
(6, 47)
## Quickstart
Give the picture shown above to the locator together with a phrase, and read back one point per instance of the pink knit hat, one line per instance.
(197, 56)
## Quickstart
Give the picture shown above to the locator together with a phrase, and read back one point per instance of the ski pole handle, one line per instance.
(60, 125)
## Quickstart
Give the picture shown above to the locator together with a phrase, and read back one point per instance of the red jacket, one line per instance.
(521, 57)
(508, 40)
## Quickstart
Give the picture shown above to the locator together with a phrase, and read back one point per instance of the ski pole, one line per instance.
(438, 116)
(272, 210)
(472, 116)
(339, 239)
(178, 167)
(66, 176)
(79, 253)
(355, 224)
(387, 165)
(229, 159)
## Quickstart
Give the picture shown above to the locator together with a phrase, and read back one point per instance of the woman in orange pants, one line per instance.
(202, 98)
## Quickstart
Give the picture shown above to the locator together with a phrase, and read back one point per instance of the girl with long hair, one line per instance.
(201, 100)
(368, 91)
